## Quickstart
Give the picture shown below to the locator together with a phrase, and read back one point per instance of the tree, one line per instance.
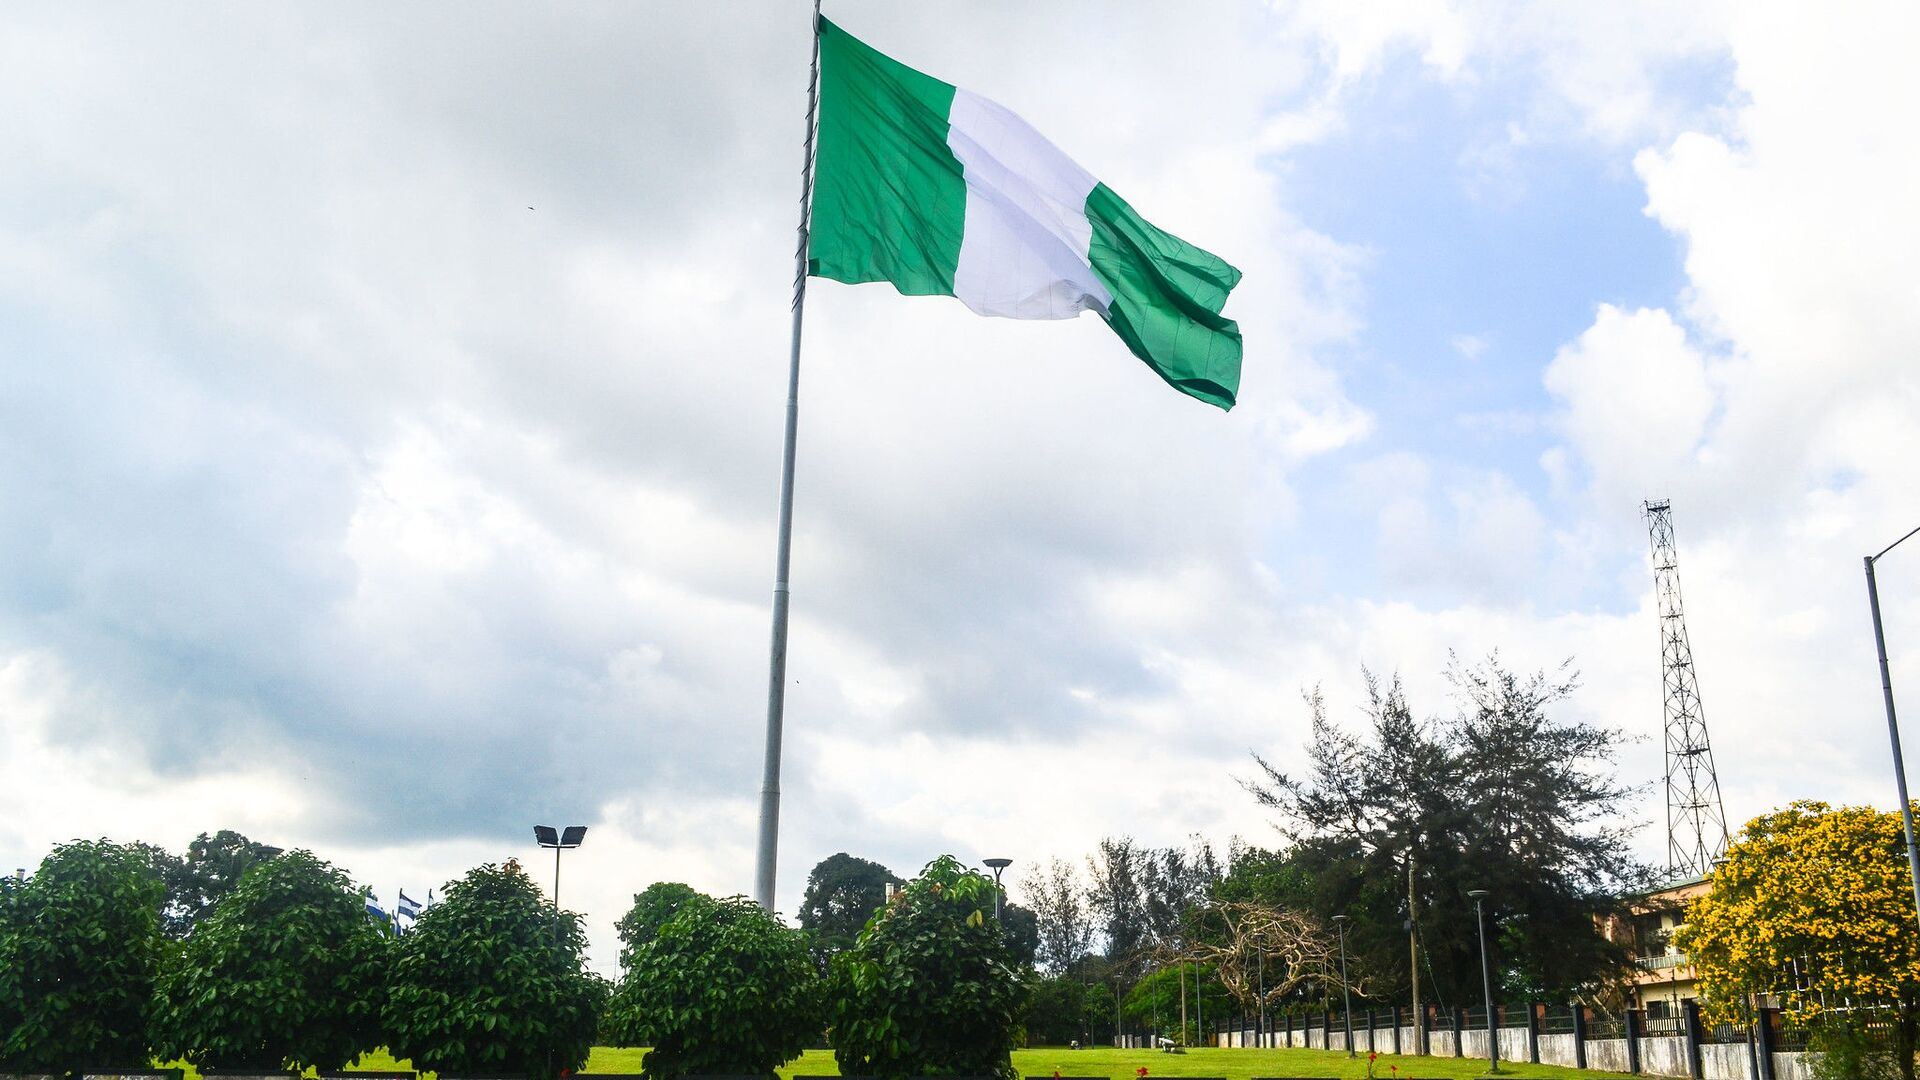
(1056, 1012)
(928, 988)
(843, 892)
(13, 920)
(490, 980)
(1503, 796)
(1155, 1000)
(1813, 905)
(77, 959)
(1099, 1012)
(1059, 907)
(652, 908)
(286, 971)
(1115, 900)
(212, 867)
(1172, 883)
(722, 989)
(1263, 955)
(1020, 928)
(171, 872)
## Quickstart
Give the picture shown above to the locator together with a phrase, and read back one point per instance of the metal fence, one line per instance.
(1558, 1020)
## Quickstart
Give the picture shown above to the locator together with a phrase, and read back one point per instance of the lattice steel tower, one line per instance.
(1696, 821)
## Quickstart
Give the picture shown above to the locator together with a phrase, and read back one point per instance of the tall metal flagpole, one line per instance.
(777, 664)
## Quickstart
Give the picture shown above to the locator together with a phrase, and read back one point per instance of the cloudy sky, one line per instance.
(390, 408)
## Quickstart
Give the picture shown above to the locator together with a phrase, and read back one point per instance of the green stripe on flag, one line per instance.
(1167, 296)
(889, 199)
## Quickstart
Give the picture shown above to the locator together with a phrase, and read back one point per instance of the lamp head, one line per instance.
(546, 836)
(573, 836)
(1341, 919)
(1477, 895)
(997, 864)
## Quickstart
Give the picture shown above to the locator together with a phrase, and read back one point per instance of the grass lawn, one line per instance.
(1236, 1064)
(1239, 1064)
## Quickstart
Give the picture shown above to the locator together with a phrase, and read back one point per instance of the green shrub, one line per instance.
(1839, 1050)
(651, 909)
(1055, 1010)
(621, 1024)
(928, 988)
(721, 988)
(490, 981)
(78, 950)
(286, 970)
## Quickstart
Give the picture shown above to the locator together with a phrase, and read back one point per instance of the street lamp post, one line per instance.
(1893, 726)
(1340, 921)
(1260, 1026)
(1486, 980)
(999, 866)
(548, 837)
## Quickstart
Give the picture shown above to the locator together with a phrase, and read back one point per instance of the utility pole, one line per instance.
(1183, 1002)
(1199, 1008)
(1413, 952)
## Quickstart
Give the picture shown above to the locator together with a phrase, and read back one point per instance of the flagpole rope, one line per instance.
(769, 842)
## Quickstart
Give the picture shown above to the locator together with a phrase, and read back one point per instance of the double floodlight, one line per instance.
(548, 836)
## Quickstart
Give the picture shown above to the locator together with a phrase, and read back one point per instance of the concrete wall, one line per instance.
(1660, 1055)
(1664, 1055)
(1513, 1043)
(1557, 1050)
(1608, 1055)
(1726, 1061)
(1793, 1066)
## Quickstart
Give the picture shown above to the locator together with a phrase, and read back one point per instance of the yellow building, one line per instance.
(1664, 976)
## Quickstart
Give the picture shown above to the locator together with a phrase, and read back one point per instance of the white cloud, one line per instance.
(1638, 401)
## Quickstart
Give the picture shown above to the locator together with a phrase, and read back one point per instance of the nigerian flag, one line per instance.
(942, 192)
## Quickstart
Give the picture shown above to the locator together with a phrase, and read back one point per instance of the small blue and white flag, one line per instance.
(375, 911)
(406, 911)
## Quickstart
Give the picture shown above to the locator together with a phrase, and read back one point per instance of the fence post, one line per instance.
(1396, 1029)
(1634, 1027)
(1690, 1012)
(1768, 1036)
(1534, 1009)
(1289, 1029)
(1326, 1031)
(1579, 1035)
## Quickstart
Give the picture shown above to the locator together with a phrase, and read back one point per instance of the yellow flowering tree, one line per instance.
(1813, 904)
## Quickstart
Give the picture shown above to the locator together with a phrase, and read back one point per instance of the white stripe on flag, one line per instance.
(1023, 254)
